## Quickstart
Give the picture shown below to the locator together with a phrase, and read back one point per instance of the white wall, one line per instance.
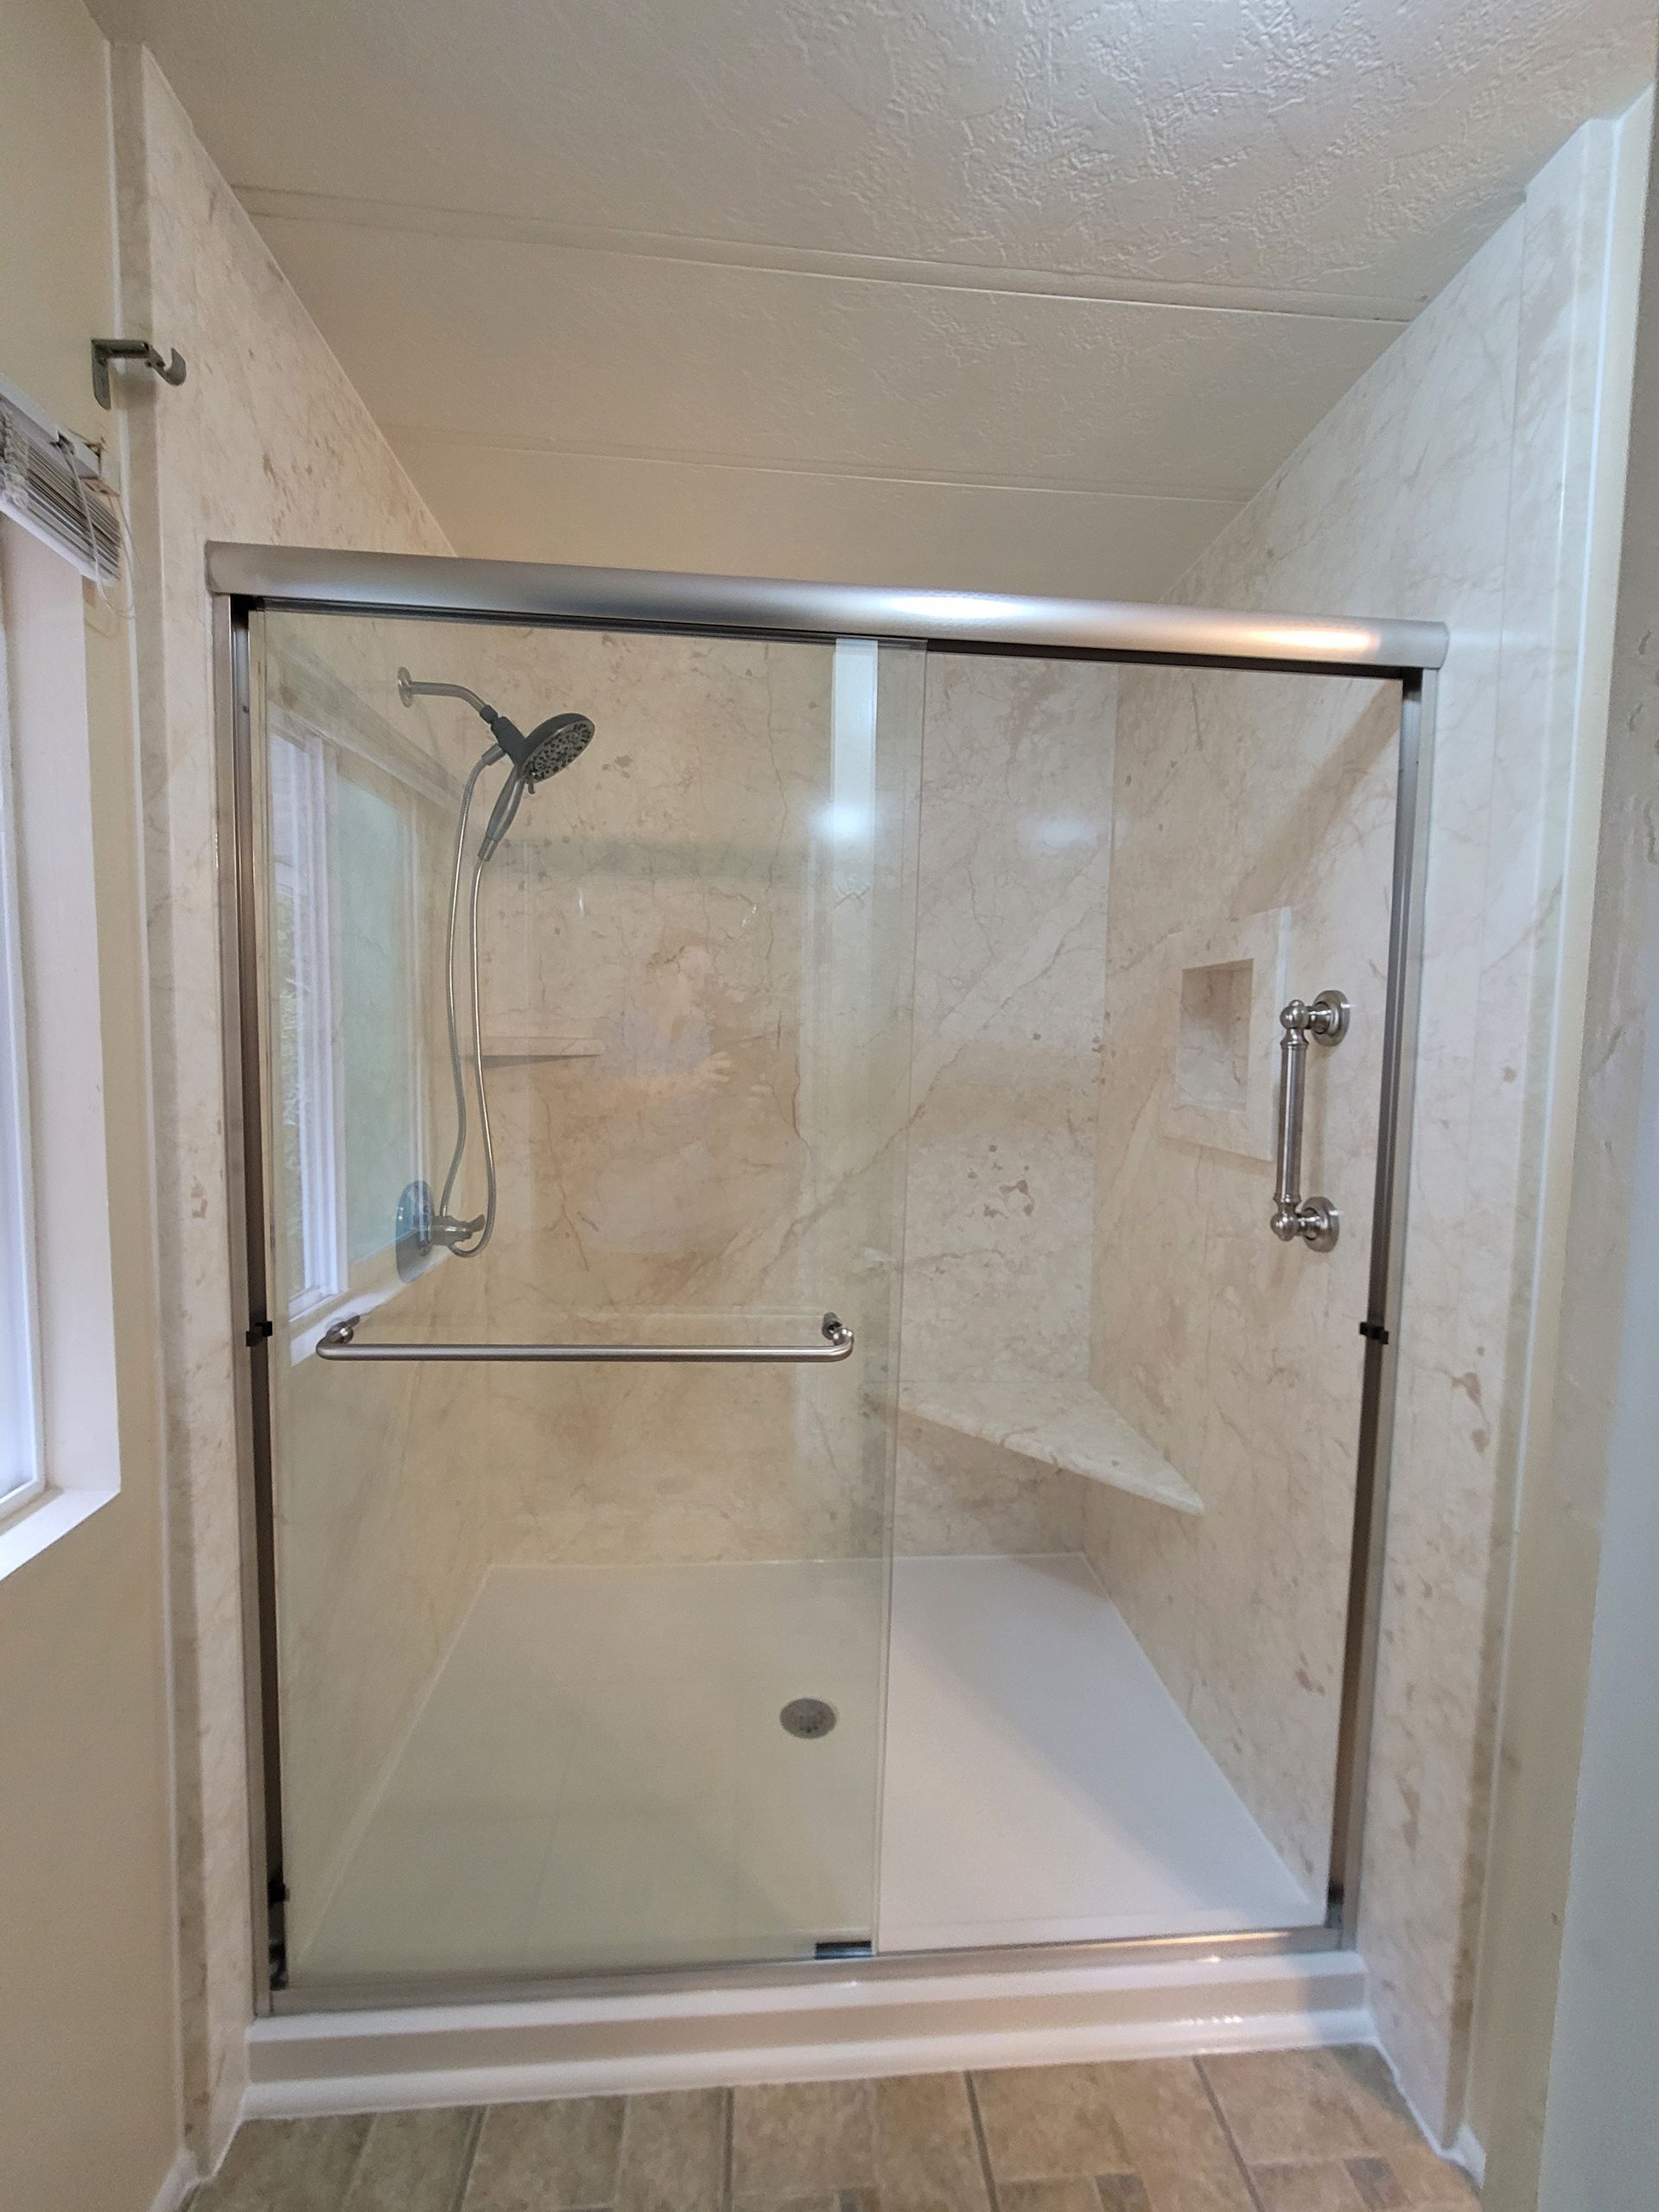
(89, 2113)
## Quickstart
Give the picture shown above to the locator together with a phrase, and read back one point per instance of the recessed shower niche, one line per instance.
(1212, 1053)
(1226, 986)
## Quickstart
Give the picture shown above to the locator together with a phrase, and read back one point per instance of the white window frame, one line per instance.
(377, 1277)
(336, 1282)
(22, 1457)
(322, 1105)
(53, 940)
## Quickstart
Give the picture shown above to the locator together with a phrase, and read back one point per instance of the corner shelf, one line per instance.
(1064, 1423)
(506, 1050)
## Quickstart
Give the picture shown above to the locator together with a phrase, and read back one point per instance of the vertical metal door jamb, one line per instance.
(233, 657)
(1381, 1327)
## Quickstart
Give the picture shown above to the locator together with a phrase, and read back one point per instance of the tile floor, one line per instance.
(599, 1778)
(1321, 2131)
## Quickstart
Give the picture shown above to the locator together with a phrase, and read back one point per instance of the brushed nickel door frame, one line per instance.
(243, 580)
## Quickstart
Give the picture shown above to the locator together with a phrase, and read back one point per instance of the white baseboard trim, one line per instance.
(1471, 2154)
(182, 2178)
(808, 2031)
(1465, 2148)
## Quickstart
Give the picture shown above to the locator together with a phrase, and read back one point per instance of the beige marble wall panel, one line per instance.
(962, 1494)
(1466, 1402)
(1014, 852)
(1456, 481)
(267, 440)
(1548, 2091)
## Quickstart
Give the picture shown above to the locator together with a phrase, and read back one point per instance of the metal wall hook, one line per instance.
(139, 350)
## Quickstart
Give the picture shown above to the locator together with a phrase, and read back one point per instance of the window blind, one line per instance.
(47, 486)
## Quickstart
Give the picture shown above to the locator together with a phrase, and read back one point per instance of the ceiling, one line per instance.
(1019, 294)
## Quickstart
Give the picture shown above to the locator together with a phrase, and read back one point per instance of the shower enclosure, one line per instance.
(819, 1291)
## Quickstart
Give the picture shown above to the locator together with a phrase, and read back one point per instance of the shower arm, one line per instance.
(408, 688)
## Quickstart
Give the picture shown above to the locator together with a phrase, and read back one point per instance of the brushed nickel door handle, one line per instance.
(1314, 1220)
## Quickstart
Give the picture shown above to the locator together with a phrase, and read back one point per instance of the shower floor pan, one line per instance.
(599, 1777)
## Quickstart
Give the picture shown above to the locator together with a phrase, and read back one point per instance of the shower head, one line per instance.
(551, 745)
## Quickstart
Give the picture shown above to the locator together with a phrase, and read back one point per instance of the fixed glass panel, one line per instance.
(581, 1666)
(1129, 1412)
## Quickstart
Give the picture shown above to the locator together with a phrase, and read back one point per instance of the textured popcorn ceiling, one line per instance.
(1006, 293)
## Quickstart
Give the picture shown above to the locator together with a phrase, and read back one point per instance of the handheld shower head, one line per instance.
(501, 814)
(550, 746)
(553, 745)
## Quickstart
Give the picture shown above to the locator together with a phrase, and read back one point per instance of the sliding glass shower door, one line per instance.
(579, 1657)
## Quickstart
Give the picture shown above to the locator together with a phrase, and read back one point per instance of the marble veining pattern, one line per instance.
(1454, 482)
(1002, 1428)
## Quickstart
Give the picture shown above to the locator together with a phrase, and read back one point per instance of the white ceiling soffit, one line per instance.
(1000, 288)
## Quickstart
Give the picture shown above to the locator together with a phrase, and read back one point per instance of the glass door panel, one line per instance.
(580, 1663)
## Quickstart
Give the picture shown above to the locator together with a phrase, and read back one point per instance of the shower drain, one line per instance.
(808, 1716)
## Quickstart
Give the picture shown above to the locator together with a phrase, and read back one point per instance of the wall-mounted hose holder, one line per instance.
(141, 353)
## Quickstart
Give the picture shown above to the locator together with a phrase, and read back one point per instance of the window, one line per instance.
(21, 1471)
(309, 1168)
(60, 1423)
(375, 941)
(344, 872)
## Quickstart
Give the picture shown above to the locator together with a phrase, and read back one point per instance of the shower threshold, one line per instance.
(598, 1781)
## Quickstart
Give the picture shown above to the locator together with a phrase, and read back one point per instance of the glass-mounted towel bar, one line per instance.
(339, 1341)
